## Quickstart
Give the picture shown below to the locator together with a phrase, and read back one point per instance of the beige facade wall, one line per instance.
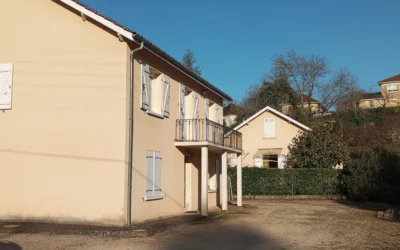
(229, 119)
(153, 133)
(371, 103)
(315, 108)
(62, 146)
(392, 99)
(253, 133)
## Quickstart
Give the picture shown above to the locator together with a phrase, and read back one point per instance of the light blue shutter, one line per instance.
(150, 174)
(217, 132)
(207, 117)
(157, 170)
(196, 116)
(166, 96)
(182, 112)
(6, 75)
(145, 86)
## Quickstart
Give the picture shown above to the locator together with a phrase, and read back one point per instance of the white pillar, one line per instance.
(239, 180)
(224, 181)
(204, 181)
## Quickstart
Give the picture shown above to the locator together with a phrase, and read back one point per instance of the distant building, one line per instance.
(316, 106)
(232, 111)
(389, 95)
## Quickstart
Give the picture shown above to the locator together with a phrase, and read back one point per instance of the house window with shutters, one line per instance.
(155, 92)
(154, 163)
(6, 85)
(269, 128)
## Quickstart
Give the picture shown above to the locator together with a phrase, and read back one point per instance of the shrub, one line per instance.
(373, 175)
(264, 181)
(321, 147)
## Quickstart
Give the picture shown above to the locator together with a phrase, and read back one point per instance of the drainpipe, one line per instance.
(131, 102)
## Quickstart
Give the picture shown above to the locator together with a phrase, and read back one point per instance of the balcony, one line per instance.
(200, 132)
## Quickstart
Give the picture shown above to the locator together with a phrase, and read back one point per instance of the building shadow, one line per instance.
(218, 235)
(8, 245)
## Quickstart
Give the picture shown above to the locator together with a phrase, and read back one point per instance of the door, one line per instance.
(182, 108)
(218, 175)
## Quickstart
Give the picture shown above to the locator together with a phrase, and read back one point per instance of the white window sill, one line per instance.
(152, 113)
(212, 191)
(269, 137)
(153, 198)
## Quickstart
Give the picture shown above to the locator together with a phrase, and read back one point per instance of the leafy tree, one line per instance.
(190, 61)
(321, 147)
(269, 93)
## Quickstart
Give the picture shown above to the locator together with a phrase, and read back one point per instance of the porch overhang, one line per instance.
(212, 146)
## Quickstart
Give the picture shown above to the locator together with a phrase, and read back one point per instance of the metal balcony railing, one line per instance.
(207, 130)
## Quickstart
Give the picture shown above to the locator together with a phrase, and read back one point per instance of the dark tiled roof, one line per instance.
(375, 95)
(160, 52)
(395, 78)
(305, 100)
(233, 109)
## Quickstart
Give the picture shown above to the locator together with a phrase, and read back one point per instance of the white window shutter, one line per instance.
(207, 102)
(196, 116)
(258, 161)
(150, 174)
(269, 127)
(6, 85)
(183, 124)
(157, 169)
(166, 96)
(145, 86)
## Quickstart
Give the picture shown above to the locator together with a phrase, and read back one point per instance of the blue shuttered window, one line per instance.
(153, 189)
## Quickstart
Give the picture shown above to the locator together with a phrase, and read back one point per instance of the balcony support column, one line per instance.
(239, 180)
(204, 181)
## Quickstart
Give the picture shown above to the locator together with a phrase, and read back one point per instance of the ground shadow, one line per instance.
(8, 245)
(366, 205)
(220, 235)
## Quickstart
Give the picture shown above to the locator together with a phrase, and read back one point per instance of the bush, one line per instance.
(321, 147)
(264, 181)
(373, 175)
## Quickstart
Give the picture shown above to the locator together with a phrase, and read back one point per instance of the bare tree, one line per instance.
(304, 73)
(310, 76)
(341, 84)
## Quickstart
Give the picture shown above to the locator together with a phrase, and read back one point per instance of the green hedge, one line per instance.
(263, 181)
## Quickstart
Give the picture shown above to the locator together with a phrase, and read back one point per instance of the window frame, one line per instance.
(389, 90)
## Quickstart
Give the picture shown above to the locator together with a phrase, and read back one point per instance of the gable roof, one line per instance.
(138, 39)
(376, 95)
(268, 108)
(395, 78)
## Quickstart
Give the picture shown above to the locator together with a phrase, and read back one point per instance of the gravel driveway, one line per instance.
(262, 224)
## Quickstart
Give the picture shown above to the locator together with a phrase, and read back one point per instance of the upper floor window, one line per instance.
(392, 87)
(269, 128)
(155, 92)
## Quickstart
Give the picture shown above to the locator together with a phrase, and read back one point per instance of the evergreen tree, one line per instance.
(190, 61)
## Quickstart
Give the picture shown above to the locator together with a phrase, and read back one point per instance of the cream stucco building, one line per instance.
(389, 96)
(266, 136)
(99, 125)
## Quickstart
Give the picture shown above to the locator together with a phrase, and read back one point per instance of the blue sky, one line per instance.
(234, 41)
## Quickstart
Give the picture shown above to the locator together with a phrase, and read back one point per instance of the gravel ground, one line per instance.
(262, 224)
